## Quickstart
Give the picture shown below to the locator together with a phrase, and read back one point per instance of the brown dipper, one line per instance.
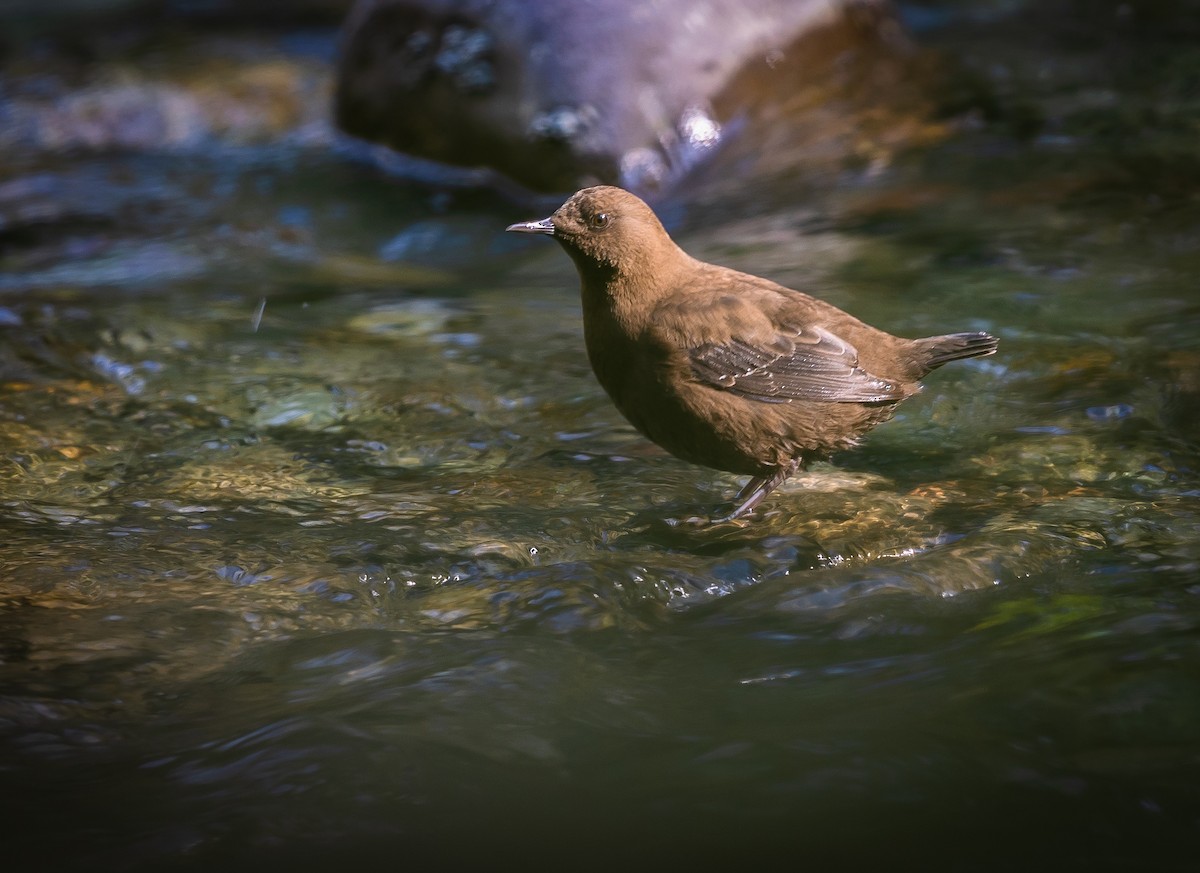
(722, 368)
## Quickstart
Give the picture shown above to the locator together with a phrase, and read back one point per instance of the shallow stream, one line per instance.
(322, 543)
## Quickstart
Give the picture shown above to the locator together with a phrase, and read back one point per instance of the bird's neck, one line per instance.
(627, 292)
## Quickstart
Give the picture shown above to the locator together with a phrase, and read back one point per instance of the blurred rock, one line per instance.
(238, 90)
(556, 95)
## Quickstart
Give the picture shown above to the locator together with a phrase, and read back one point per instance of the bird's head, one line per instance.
(608, 232)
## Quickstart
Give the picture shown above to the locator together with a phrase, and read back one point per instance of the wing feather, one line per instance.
(808, 363)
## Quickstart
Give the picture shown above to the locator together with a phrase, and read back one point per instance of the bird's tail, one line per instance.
(956, 346)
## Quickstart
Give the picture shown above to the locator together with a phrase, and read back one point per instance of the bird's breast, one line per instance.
(626, 366)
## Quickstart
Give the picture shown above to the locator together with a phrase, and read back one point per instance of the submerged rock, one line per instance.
(556, 95)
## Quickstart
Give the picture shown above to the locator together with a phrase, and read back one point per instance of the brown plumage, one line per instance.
(726, 369)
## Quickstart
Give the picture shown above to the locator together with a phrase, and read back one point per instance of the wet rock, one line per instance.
(132, 110)
(554, 95)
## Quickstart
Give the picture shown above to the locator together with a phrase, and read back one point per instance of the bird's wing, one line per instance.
(807, 363)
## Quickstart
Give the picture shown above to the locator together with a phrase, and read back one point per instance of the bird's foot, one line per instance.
(755, 490)
(689, 521)
(738, 515)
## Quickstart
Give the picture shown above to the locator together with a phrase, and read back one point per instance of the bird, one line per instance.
(723, 368)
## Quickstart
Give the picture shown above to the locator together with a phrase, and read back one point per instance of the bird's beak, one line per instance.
(543, 226)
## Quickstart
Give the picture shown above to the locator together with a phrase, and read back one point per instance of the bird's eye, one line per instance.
(599, 221)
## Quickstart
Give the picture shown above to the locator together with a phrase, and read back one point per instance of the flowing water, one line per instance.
(322, 545)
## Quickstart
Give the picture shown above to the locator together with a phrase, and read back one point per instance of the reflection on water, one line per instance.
(321, 542)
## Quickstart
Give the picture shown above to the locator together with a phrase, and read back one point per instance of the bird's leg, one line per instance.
(756, 489)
